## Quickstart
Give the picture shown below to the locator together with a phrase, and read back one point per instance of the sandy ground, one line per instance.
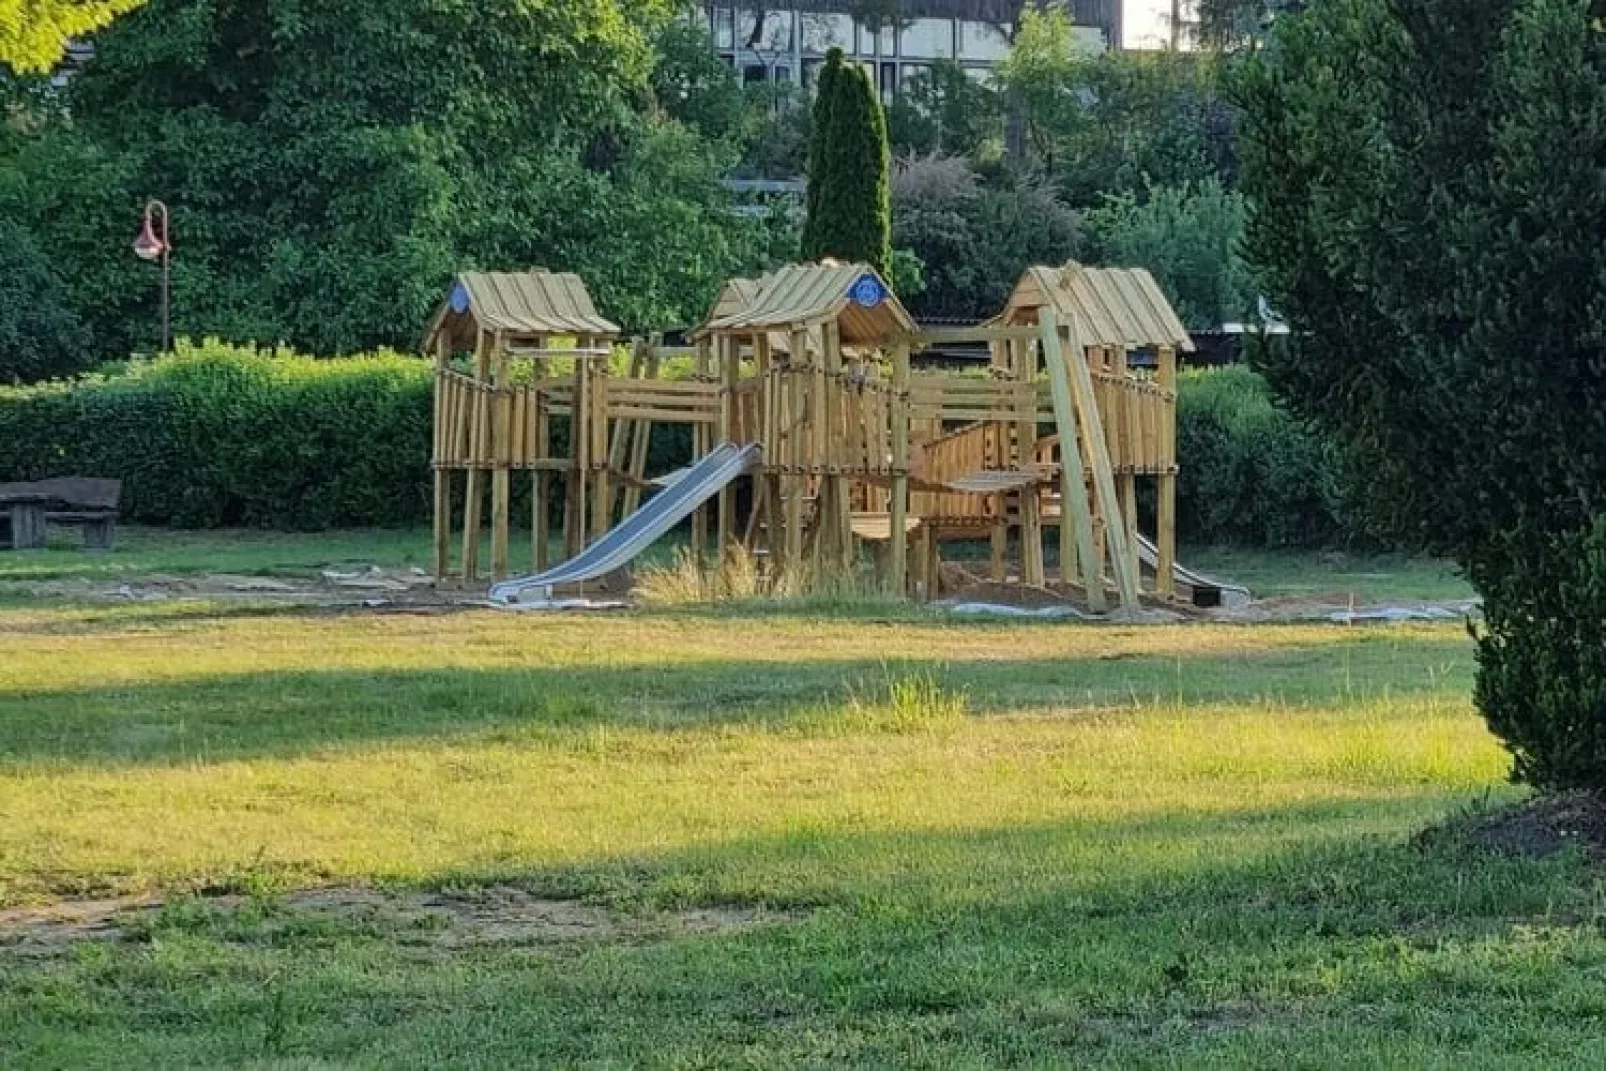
(962, 590)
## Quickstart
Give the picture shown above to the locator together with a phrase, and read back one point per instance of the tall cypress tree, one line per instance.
(849, 194)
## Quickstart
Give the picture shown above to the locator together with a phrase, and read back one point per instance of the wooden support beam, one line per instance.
(479, 444)
(1075, 509)
(501, 454)
(1097, 449)
(1165, 536)
(540, 481)
(897, 577)
(726, 356)
(443, 478)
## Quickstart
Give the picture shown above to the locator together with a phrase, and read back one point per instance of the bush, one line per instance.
(218, 435)
(974, 238)
(1251, 473)
(39, 335)
(1188, 237)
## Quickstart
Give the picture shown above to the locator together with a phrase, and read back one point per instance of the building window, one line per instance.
(982, 42)
(928, 39)
(889, 82)
(724, 32)
(774, 35)
(822, 32)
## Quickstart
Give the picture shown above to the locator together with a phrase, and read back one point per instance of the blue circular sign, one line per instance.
(459, 298)
(868, 292)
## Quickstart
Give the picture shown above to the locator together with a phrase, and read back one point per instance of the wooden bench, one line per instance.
(90, 505)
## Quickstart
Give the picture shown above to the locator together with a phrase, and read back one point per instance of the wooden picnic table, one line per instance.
(88, 504)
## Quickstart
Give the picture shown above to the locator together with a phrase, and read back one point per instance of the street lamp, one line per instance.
(153, 245)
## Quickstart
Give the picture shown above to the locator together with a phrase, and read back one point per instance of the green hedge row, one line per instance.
(219, 435)
(1254, 476)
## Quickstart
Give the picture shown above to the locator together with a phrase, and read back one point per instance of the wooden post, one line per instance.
(501, 456)
(798, 435)
(443, 475)
(1166, 522)
(541, 482)
(1093, 441)
(1000, 534)
(700, 447)
(478, 432)
(1074, 507)
(1032, 569)
(602, 504)
(574, 519)
(728, 358)
(898, 507)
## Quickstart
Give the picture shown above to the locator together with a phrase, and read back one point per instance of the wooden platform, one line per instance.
(877, 527)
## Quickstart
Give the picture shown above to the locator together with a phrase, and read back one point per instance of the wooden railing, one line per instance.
(819, 423)
(987, 447)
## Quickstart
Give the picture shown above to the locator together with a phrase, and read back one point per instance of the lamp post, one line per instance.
(155, 245)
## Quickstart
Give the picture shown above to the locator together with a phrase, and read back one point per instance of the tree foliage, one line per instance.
(849, 196)
(975, 235)
(329, 166)
(1426, 179)
(34, 33)
(1188, 237)
(1113, 122)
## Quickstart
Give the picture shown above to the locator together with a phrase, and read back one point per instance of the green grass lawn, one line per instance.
(976, 843)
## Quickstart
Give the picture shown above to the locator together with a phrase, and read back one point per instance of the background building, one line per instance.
(787, 41)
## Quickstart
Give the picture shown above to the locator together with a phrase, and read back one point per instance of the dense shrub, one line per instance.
(974, 234)
(1188, 237)
(1252, 474)
(1428, 205)
(39, 335)
(217, 435)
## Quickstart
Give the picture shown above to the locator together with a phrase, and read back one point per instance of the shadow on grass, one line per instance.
(222, 717)
(1267, 937)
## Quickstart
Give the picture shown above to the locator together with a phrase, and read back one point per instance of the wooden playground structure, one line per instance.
(810, 371)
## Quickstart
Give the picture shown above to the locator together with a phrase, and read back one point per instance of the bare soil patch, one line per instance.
(1538, 828)
(495, 915)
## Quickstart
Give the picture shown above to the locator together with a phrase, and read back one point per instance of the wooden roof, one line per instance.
(804, 295)
(522, 306)
(1105, 306)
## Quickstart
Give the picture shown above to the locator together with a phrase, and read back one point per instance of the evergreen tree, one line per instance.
(1426, 180)
(849, 195)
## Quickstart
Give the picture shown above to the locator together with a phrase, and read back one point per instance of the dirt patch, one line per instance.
(1541, 827)
(496, 915)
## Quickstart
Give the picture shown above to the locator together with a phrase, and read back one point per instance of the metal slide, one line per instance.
(1232, 595)
(638, 531)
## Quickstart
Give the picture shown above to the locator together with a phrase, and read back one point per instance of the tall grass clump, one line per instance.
(899, 703)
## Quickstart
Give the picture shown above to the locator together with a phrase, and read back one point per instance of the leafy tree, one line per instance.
(1188, 236)
(329, 166)
(1102, 124)
(943, 109)
(849, 197)
(975, 236)
(692, 84)
(1426, 182)
(40, 337)
(34, 33)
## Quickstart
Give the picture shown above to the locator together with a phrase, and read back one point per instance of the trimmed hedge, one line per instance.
(1252, 475)
(220, 435)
